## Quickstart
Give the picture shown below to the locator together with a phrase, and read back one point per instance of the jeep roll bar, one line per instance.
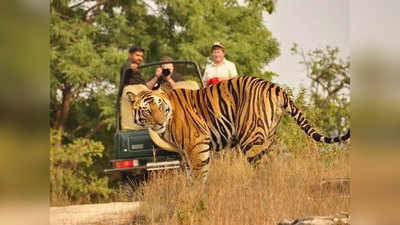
(174, 62)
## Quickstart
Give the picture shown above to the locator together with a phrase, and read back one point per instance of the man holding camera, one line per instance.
(168, 74)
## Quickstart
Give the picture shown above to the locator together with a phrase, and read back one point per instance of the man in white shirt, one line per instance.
(220, 69)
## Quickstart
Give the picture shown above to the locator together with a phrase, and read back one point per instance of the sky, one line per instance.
(311, 24)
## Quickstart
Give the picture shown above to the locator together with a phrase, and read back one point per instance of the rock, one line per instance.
(337, 219)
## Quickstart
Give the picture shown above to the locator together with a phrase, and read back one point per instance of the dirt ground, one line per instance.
(115, 213)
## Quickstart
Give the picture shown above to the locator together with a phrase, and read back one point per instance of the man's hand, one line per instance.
(212, 81)
(158, 72)
(169, 80)
(134, 66)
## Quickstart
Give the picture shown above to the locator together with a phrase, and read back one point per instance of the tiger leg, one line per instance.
(199, 160)
(186, 167)
(254, 153)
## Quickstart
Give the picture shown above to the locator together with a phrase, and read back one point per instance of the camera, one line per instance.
(165, 72)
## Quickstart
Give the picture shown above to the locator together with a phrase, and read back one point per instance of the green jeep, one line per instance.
(137, 151)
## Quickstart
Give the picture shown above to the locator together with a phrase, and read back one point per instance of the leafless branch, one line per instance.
(78, 4)
(99, 125)
(78, 128)
(157, 12)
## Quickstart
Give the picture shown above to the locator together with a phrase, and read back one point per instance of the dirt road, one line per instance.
(115, 213)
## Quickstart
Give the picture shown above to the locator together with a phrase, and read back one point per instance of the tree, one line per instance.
(192, 26)
(330, 86)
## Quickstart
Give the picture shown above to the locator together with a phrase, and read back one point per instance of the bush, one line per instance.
(73, 175)
(292, 139)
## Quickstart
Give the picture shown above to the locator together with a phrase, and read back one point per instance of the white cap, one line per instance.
(217, 44)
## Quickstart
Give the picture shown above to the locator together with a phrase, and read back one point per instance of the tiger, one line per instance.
(242, 112)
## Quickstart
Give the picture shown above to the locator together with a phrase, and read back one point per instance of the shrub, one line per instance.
(73, 175)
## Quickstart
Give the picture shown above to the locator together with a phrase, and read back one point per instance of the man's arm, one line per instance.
(205, 76)
(233, 70)
(150, 84)
(170, 81)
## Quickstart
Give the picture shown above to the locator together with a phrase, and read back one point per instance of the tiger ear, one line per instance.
(158, 91)
(131, 96)
(156, 86)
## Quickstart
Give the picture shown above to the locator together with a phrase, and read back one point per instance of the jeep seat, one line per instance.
(126, 112)
(187, 84)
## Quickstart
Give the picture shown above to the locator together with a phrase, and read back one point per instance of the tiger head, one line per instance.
(151, 109)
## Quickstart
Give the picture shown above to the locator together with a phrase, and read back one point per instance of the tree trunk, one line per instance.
(62, 114)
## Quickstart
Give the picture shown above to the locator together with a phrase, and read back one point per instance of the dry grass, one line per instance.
(238, 193)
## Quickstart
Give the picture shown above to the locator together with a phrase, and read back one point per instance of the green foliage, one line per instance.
(291, 138)
(289, 132)
(327, 107)
(73, 175)
(330, 87)
(192, 26)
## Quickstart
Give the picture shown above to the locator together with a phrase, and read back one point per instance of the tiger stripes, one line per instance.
(243, 112)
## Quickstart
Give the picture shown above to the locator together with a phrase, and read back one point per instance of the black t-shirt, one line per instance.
(130, 76)
(175, 76)
(165, 85)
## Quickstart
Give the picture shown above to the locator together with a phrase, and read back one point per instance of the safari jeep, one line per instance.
(139, 151)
